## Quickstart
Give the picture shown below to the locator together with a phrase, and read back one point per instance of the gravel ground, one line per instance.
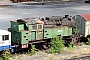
(79, 51)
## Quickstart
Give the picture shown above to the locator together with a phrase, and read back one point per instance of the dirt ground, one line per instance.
(78, 51)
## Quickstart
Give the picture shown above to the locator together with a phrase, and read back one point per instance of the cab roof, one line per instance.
(4, 32)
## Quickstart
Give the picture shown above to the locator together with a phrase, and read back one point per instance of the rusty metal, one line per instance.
(30, 21)
(24, 0)
(57, 21)
(50, 23)
(86, 57)
(15, 1)
(37, 41)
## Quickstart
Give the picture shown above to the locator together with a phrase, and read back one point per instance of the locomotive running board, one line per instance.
(37, 41)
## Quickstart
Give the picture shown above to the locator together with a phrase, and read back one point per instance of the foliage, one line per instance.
(71, 45)
(75, 30)
(88, 41)
(5, 55)
(1, 58)
(57, 45)
(29, 52)
(32, 50)
(52, 50)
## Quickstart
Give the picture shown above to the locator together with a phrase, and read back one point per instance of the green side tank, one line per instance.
(61, 31)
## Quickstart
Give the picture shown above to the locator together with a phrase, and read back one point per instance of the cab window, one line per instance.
(39, 26)
(5, 37)
(34, 27)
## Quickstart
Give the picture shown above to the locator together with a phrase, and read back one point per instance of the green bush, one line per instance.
(5, 55)
(1, 58)
(52, 50)
(57, 45)
(32, 52)
(75, 30)
(88, 41)
(29, 52)
(33, 49)
(71, 45)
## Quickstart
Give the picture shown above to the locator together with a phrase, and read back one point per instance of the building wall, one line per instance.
(80, 24)
(87, 28)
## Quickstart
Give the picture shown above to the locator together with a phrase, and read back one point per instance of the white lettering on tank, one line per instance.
(60, 30)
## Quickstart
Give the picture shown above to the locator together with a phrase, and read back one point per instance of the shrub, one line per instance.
(88, 41)
(1, 58)
(52, 50)
(6, 55)
(32, 50)
(71, 45)
(57, 45)
(29, 52)
(75, 29)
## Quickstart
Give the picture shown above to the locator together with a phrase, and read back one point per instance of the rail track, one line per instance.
(83, 57)
(86, 57)
(38, 47)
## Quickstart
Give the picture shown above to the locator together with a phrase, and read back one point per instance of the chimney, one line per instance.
(66, 16)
